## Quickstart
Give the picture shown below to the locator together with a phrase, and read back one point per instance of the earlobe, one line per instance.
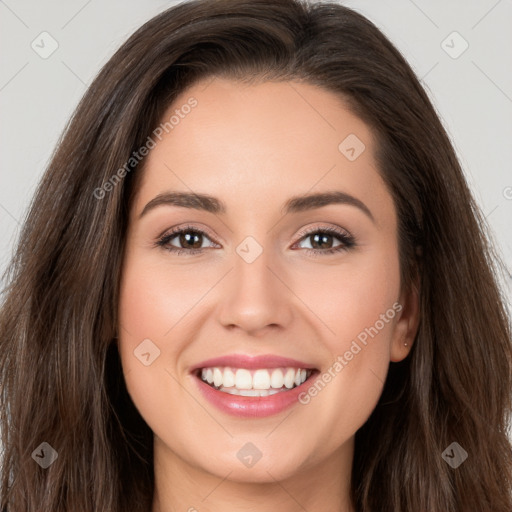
(406, 326)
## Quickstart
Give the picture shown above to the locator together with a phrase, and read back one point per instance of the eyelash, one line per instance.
(347, 241)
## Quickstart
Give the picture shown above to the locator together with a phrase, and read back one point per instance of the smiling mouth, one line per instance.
(254, 382)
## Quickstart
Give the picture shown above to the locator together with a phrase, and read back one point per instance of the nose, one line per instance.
(255, 297)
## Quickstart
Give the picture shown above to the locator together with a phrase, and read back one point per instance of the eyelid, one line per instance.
(329, 229)
(176, 230)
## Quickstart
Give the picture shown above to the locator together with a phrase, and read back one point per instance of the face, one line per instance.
(261, 256)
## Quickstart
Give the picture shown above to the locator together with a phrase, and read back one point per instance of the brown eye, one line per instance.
(323, 241)
(188, 240)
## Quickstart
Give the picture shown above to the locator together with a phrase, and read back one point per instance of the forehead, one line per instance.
(262, 143)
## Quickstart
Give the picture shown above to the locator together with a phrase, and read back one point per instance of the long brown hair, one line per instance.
(61, 378)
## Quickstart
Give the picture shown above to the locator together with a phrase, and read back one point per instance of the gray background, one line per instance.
(472, 92)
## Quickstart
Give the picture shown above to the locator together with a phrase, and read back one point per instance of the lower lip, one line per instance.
(252, 406)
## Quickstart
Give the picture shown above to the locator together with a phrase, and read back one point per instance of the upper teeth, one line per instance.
(261, 379)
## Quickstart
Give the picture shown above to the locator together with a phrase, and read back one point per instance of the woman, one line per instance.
(170, 343)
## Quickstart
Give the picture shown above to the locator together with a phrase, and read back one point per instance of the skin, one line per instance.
(253, 147)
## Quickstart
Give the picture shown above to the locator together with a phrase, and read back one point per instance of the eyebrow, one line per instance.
(295, 204)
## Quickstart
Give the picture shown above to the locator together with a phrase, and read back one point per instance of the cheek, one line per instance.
(148, 310)
(351, 297)
(361, 310)
(153, 298)
(158, 315)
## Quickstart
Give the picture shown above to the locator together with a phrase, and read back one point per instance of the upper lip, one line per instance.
(252, 362)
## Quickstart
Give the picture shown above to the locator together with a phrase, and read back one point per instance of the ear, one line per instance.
(406, 326)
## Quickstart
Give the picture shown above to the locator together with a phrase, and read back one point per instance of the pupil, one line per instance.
(187, 238)
(321, 239)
